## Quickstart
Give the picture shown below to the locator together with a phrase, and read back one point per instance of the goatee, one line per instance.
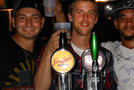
(128, 38)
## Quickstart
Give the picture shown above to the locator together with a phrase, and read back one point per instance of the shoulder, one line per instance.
(42, 49)
(8, 46)
(110, 45)
(5, 39)
(40, 55)
(106, 51)
(5, 42)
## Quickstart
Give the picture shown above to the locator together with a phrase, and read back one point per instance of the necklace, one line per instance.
(32, 61)
(26, 54)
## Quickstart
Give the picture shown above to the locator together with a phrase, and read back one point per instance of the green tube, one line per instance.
(94, 47)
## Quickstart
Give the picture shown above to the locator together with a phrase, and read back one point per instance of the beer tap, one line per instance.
(94, 61)
(62, 61)
(95, 66)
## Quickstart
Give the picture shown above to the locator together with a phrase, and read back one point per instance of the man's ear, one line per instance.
(96, 19)
(42, 22)
(116, 24)
(70, 17)
(13, 22)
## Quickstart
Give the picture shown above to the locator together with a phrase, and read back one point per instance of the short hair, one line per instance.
(71, 6)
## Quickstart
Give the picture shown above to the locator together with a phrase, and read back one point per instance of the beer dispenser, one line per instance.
(62, 61)
(94, 61)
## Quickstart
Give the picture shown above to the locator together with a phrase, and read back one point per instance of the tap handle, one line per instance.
(63, 40)
(94, 47)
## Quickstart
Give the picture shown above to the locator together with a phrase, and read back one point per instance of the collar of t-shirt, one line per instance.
(77, 50)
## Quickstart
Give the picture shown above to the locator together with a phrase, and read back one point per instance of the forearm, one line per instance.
(42, 80)
(60, 17)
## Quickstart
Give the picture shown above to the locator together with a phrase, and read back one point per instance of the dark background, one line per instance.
(105, 28)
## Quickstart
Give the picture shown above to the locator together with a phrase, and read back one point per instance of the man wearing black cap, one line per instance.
(124, 51)
(17, 57)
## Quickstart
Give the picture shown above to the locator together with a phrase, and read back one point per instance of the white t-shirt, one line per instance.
(123, 64)
(77, 50)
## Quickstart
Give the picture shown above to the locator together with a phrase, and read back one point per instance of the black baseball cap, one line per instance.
(122, 5)
(27, 3)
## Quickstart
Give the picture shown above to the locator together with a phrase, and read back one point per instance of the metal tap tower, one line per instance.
(93, 60)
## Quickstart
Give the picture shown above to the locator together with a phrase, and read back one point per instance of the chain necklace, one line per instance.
(32, 60)
(26, 54)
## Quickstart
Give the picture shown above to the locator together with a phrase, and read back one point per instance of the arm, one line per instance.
(3, 66)
(59, 14)
(42, 79)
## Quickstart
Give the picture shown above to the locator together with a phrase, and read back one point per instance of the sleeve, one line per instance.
(3, 60)
(111, 83)
(3, 66)
(39, 56)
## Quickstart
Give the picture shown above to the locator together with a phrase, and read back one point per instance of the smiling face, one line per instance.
(83, 17)
(28, 22)
(125, 24)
